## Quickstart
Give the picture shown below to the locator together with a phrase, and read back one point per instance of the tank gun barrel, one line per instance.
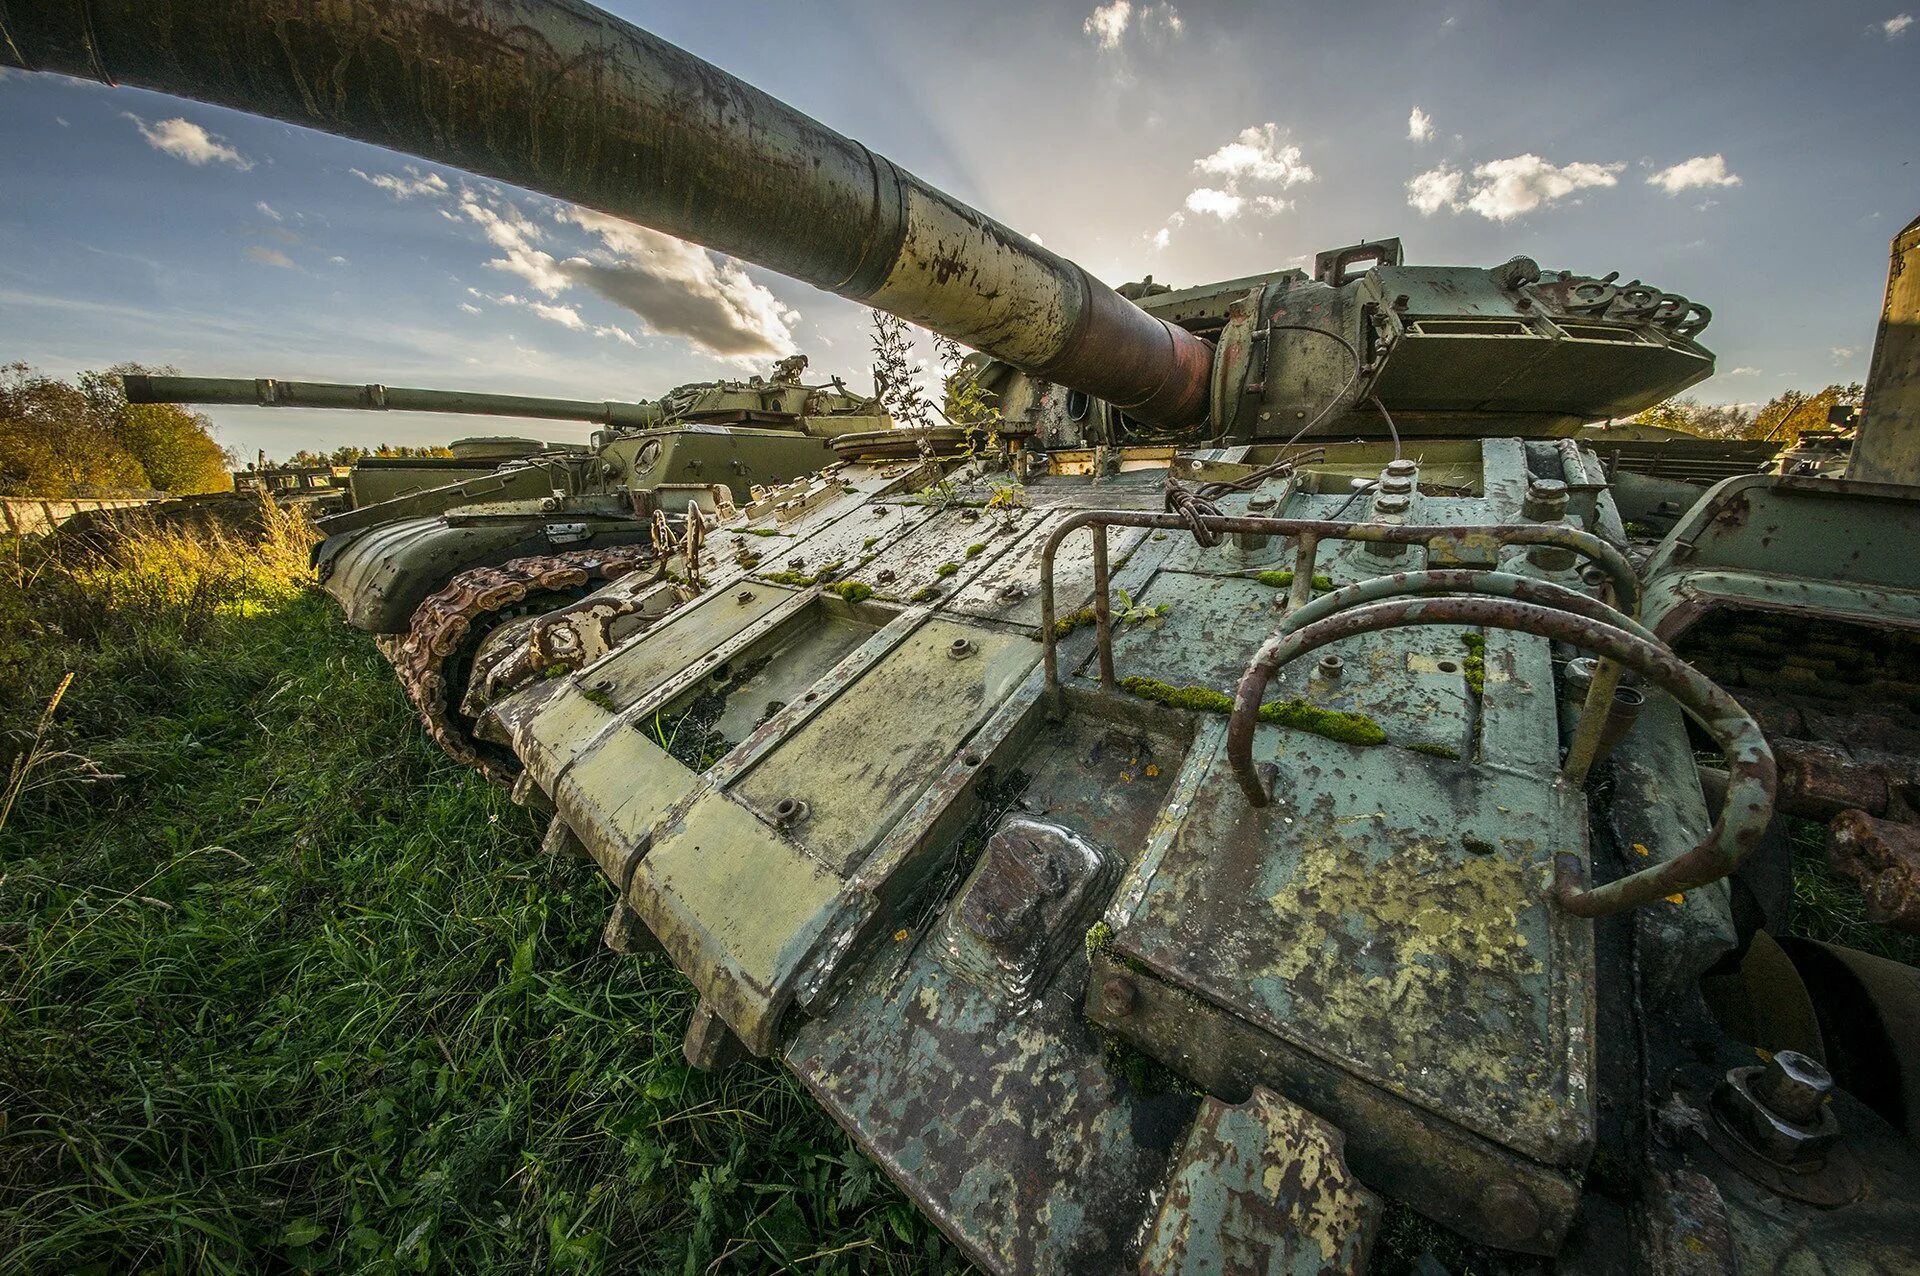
(269, 392)
(561, 98)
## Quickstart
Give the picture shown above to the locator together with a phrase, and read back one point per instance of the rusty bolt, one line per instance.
(1546, 501)
(1392, 503)
(796, 562)
(1402, 468)
(961, 648)
(743, 597)
(789, 811)
(1117, 997)
(1331, 666)
(1261, 504)
(1794, 1086)
(1779, 1110)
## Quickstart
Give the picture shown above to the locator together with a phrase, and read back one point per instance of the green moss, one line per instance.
(853, 591)
(1647, 530)
(749, 561)
(1475, 665)
(1099, 937)
(976, 549)
(1072, 621)
(946, 569)
(1284, 580)
(925, 594)
(1333, 724)
(870, 542)
(760, 531)
(1436, 751)
(598, 696)
(800, 580)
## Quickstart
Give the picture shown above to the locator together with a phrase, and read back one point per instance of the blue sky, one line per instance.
(1754, 156)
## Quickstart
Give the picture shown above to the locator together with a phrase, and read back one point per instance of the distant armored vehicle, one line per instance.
(436, 551)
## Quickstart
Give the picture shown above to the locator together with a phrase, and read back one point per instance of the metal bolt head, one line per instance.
(961, 648)
(1546, 501)
(1331, 666)
(1392, 503)
(744, 596)
(1794, 1086)
(1118, 997)
(1740, 1109)
(1260, 504)
(1402, 468)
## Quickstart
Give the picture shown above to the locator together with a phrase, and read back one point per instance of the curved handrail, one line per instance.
(1752, 782)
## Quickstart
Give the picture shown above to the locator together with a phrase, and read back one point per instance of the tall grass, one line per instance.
(283, 989)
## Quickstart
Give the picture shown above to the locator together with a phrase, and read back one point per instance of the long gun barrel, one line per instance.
(268, 392)
(561, 98)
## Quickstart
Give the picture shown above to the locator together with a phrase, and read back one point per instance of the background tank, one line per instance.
(972, 805)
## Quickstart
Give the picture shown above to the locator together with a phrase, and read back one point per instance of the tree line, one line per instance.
(1782, 419)
(60, 438)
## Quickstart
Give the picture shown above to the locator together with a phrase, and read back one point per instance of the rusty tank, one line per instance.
(1249, 787)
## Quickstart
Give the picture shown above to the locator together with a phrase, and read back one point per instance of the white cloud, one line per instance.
(1501, 190)
(619, 334)
(1741, 372)
(267, 210)
(1162, 237)
(681, 289)
(1896, 26)
(1222, 204)
(469, 307)
(415, 182)
(270, 257)
(565, 316)
(1419, 126)
(183, 139)
(337, 261)
(1435, 189)
(515, 234)
(1700, 171)
(1108, 23)
(1843, 353)
(1258, 155)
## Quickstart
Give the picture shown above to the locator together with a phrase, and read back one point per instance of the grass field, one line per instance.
(281, 988)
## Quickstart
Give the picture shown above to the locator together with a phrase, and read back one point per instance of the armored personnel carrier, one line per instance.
(1250, 790)
(433, 552)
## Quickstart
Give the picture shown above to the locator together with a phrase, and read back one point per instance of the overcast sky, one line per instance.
(1755, 156)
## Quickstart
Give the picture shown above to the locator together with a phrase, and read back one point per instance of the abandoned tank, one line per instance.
(1250, 783)
(436, 552)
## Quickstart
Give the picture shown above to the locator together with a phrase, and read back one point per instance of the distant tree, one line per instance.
(1716, 421)
(53, 442)
(175, 447)
(1780, 420)
(347, 454)
(895, 380)
(1788, 414)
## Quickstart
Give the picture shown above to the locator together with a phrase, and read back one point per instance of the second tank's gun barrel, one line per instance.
(561, 98)
(269, 392)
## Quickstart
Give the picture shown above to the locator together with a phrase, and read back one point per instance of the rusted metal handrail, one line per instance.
(1743, 818)
(1307, 534)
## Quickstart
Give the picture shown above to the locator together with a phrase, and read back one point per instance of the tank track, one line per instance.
(445, 622)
